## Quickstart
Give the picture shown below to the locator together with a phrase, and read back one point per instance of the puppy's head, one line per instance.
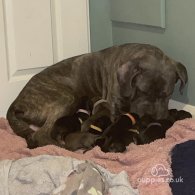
(116, 147)
(175, 115)
(108, 144)
(182, 114)
(147, 83)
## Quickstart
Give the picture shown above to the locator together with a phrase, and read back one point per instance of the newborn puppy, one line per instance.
(93, 127)
(80, 140)
(150, 129)
(182, 114)
(100, 117)
(99, 125)
(155, 130)
(70, 124)
(113, 138)
(175, 115)
(97, 128)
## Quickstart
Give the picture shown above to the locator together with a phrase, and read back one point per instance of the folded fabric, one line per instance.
(56, 175)
(183, 169)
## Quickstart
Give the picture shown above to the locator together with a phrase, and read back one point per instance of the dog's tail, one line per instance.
(18, 124)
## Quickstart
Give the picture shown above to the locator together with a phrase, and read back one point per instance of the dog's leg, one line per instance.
(43, 137)
(24, 114)
(66, 107)
(20, 119)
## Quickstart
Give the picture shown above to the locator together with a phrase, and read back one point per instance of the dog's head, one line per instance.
(146, 85)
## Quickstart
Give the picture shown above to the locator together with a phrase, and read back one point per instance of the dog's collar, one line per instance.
(131, 118)
(156, 124)
(96, 128)
(84, 111)
(134, 131)
(98, 102)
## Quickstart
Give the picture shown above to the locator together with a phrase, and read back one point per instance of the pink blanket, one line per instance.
(148, 166)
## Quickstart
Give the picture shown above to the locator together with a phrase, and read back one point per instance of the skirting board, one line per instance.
(182, 106)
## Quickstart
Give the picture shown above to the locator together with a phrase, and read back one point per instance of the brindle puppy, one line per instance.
(135, 78)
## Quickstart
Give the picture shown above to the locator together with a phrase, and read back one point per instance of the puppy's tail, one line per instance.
(19, 125)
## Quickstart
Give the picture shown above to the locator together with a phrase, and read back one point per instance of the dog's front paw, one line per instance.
(31, 143)
(41, 138)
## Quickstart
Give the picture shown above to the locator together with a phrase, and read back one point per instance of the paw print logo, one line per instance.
(160, 170)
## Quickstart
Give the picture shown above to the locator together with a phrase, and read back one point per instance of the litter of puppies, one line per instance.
(84, 130)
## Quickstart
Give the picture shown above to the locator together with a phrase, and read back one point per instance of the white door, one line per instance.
(35, 34)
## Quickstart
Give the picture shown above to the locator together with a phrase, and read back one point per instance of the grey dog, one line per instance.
(135, 78)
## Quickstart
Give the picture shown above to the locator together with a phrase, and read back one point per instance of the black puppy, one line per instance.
(115, 137)
(155, 130)
(70, 124)
(99, 125)
(100, 118)
(150, 129)
(175, 115)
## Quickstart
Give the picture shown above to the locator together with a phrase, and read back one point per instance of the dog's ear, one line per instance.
(125, 75)
(182, 75)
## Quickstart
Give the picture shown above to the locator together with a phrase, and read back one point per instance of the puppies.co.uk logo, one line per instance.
(159, 174)
(160, 170)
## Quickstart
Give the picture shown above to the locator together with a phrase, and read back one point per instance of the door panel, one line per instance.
(75, 29)
(35, 34)
(28, 36)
